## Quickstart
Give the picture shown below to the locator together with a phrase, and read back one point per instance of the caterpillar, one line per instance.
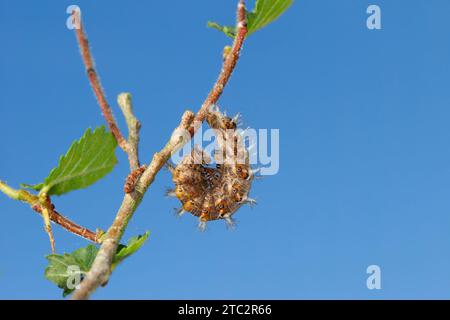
(214, 193)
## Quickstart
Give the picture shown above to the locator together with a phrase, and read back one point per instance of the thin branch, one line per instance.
(125, 104)
(56, 217)
(70, 226)
(10, 192)
(101, 268)
(127, 146)
(47, 210)
(229, 64)
(96, 85)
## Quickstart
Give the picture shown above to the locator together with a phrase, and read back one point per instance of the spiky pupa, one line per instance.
(215, 193)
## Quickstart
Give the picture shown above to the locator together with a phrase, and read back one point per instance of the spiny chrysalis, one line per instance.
(214, 193)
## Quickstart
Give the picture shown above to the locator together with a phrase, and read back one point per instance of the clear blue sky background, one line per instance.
(365, 146)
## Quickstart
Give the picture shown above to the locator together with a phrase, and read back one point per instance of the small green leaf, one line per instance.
(229, 31)
(36, 187)
(132, 246)
(62, 269)
(265, 12)
(66, 269)
(88, 160)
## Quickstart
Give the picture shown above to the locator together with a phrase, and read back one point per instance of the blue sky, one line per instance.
(364, 146)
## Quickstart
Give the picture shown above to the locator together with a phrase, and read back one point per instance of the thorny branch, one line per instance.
(101, 267)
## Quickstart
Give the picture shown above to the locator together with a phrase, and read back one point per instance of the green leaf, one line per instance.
(132, 246)
(36, 187)
(229, 31)
(68, 269)
(265, 12)
(87, 161)
(65, 270)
